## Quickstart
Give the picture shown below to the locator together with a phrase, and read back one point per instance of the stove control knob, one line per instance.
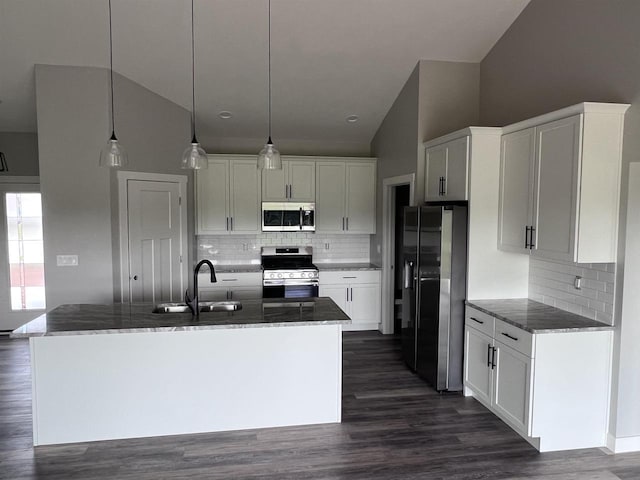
(312, 274)
(303, 274)
(279, 275)
(271, 275)
(291, 275)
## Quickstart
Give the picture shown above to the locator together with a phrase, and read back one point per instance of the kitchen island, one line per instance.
(104, 372)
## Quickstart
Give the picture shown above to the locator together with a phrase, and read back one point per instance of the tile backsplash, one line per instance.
(552, 282)
(242, 249)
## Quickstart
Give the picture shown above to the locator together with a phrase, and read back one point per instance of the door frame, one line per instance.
(388, 243)
(123, 210)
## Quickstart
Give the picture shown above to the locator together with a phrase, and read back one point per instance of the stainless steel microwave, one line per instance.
(288, 217)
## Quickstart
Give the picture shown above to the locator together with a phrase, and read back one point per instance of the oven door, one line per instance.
(288, 217)
(288, 289)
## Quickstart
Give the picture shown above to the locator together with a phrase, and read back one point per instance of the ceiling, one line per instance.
(330, 58)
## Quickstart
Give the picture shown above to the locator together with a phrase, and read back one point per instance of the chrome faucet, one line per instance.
(193, 302)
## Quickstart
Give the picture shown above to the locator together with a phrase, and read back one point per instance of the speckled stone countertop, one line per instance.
(346, 266)
(536, 317)
(247, 268)
(125, 318)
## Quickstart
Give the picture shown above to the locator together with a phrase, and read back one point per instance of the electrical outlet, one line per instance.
(577, 282)
(67, 260)
(326, 246)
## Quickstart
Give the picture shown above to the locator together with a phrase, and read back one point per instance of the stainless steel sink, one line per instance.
(225, 306)
(171, 308)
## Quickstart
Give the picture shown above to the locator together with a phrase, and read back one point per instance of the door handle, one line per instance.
(488, 354)
(509, 336)
(347, 223)
(532, 245)
(493, 358)
(408, 275)
(300, 218)
(286, 191)
(290, 191)
(526, 237)
(135, 277)
(343, 223)
(476, 320)
(227, 227)
(444, 186)
(231, 222)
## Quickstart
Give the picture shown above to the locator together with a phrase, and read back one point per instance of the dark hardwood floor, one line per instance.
(394, 427)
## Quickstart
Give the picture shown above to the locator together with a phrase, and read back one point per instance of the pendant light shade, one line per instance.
(113, 155)
(194, 157)
(269, 156)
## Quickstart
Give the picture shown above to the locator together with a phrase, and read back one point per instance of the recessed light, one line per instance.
(225, 115)
(352, 118)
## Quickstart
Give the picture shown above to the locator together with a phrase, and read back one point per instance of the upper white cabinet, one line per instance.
(296, 182)
(228, 196)
(446, 169)
(345, 196)
(560, 184)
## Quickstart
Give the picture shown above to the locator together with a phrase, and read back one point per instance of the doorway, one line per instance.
(153, 237)
(397, 193)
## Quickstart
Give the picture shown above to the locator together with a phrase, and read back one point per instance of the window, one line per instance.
(26, 250)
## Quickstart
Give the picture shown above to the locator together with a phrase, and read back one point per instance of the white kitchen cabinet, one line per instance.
(446, 170)
(228, 197)
(571, 180)
(345, 197)
(296, 182)
(552, 388)
(230, 286)
(357, 293)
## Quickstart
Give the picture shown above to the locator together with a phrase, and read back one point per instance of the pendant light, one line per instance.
(269, 156)
(113, 154)
(194, 157)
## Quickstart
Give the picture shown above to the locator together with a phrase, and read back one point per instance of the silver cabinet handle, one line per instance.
(290, 191)
(476, 320)
(532, 230)
(347, 223)
(231, 222)
(526, 236)
(509, 336)
(408, 275)
(227, 224)
(342, 223)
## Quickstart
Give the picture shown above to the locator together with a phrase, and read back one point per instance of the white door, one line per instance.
(302, 181)
(435, 171)
(361, 198)
(22, 282)
(330, 201)
(455, 184)
(516, 190)
(477, 364)
(558, 156)
(365, 306)
(244, 212)
(512, 387)
(157, 227)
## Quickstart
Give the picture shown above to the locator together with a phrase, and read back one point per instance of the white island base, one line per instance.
(125, 385)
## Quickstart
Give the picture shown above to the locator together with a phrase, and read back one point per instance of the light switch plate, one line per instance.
(67, 260)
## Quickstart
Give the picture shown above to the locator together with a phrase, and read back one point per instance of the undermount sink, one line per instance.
(225, 306)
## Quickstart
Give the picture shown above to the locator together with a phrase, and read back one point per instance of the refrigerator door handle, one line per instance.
(408, 275)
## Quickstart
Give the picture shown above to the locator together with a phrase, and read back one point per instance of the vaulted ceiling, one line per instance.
(330, 58)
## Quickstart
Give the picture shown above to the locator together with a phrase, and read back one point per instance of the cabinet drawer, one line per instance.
(479, 321)
(230, 280)
(349, 277)
(514, 337)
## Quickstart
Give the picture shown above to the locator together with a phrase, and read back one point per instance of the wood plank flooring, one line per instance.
(394, 427)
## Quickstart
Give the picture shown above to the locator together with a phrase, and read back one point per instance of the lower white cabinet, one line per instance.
(552, 388)
(230, 286)
(357, 293)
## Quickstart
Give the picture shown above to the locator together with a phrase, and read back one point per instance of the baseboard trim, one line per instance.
(623, 444)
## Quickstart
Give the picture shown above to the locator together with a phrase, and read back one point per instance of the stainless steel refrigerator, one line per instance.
(434, 290)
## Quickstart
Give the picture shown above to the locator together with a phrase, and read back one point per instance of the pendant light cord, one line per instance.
(113, 114)
(269, 141)
(193, 82)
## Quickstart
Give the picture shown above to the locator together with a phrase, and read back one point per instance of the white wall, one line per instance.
(21, 153)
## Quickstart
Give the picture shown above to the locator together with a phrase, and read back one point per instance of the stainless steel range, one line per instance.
(288, 272)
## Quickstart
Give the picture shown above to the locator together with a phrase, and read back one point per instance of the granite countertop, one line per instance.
(536, 317)
(347, 266)
(132, 318)
(246, 268)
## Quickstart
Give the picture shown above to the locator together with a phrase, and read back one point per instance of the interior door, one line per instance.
(156, 231)
(11, 318)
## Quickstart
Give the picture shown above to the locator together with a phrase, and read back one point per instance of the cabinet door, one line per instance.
(337, 293)
(361, 198)
(516, 190)
(477, 364)
(302, 181)
(435, 169)
(365, 306)
(245, 197)
(245, 293)
(212, 198)
(557, 158)
(330, 197)
(455, 185)
(273, 184)
(512, 387)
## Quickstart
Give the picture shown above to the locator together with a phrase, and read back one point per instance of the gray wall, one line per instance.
(438, 98)
(79, 197)
(251, 146)
(21, 152)
(561, 53)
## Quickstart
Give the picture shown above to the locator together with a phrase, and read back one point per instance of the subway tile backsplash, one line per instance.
(243, 249)
(552, 282)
